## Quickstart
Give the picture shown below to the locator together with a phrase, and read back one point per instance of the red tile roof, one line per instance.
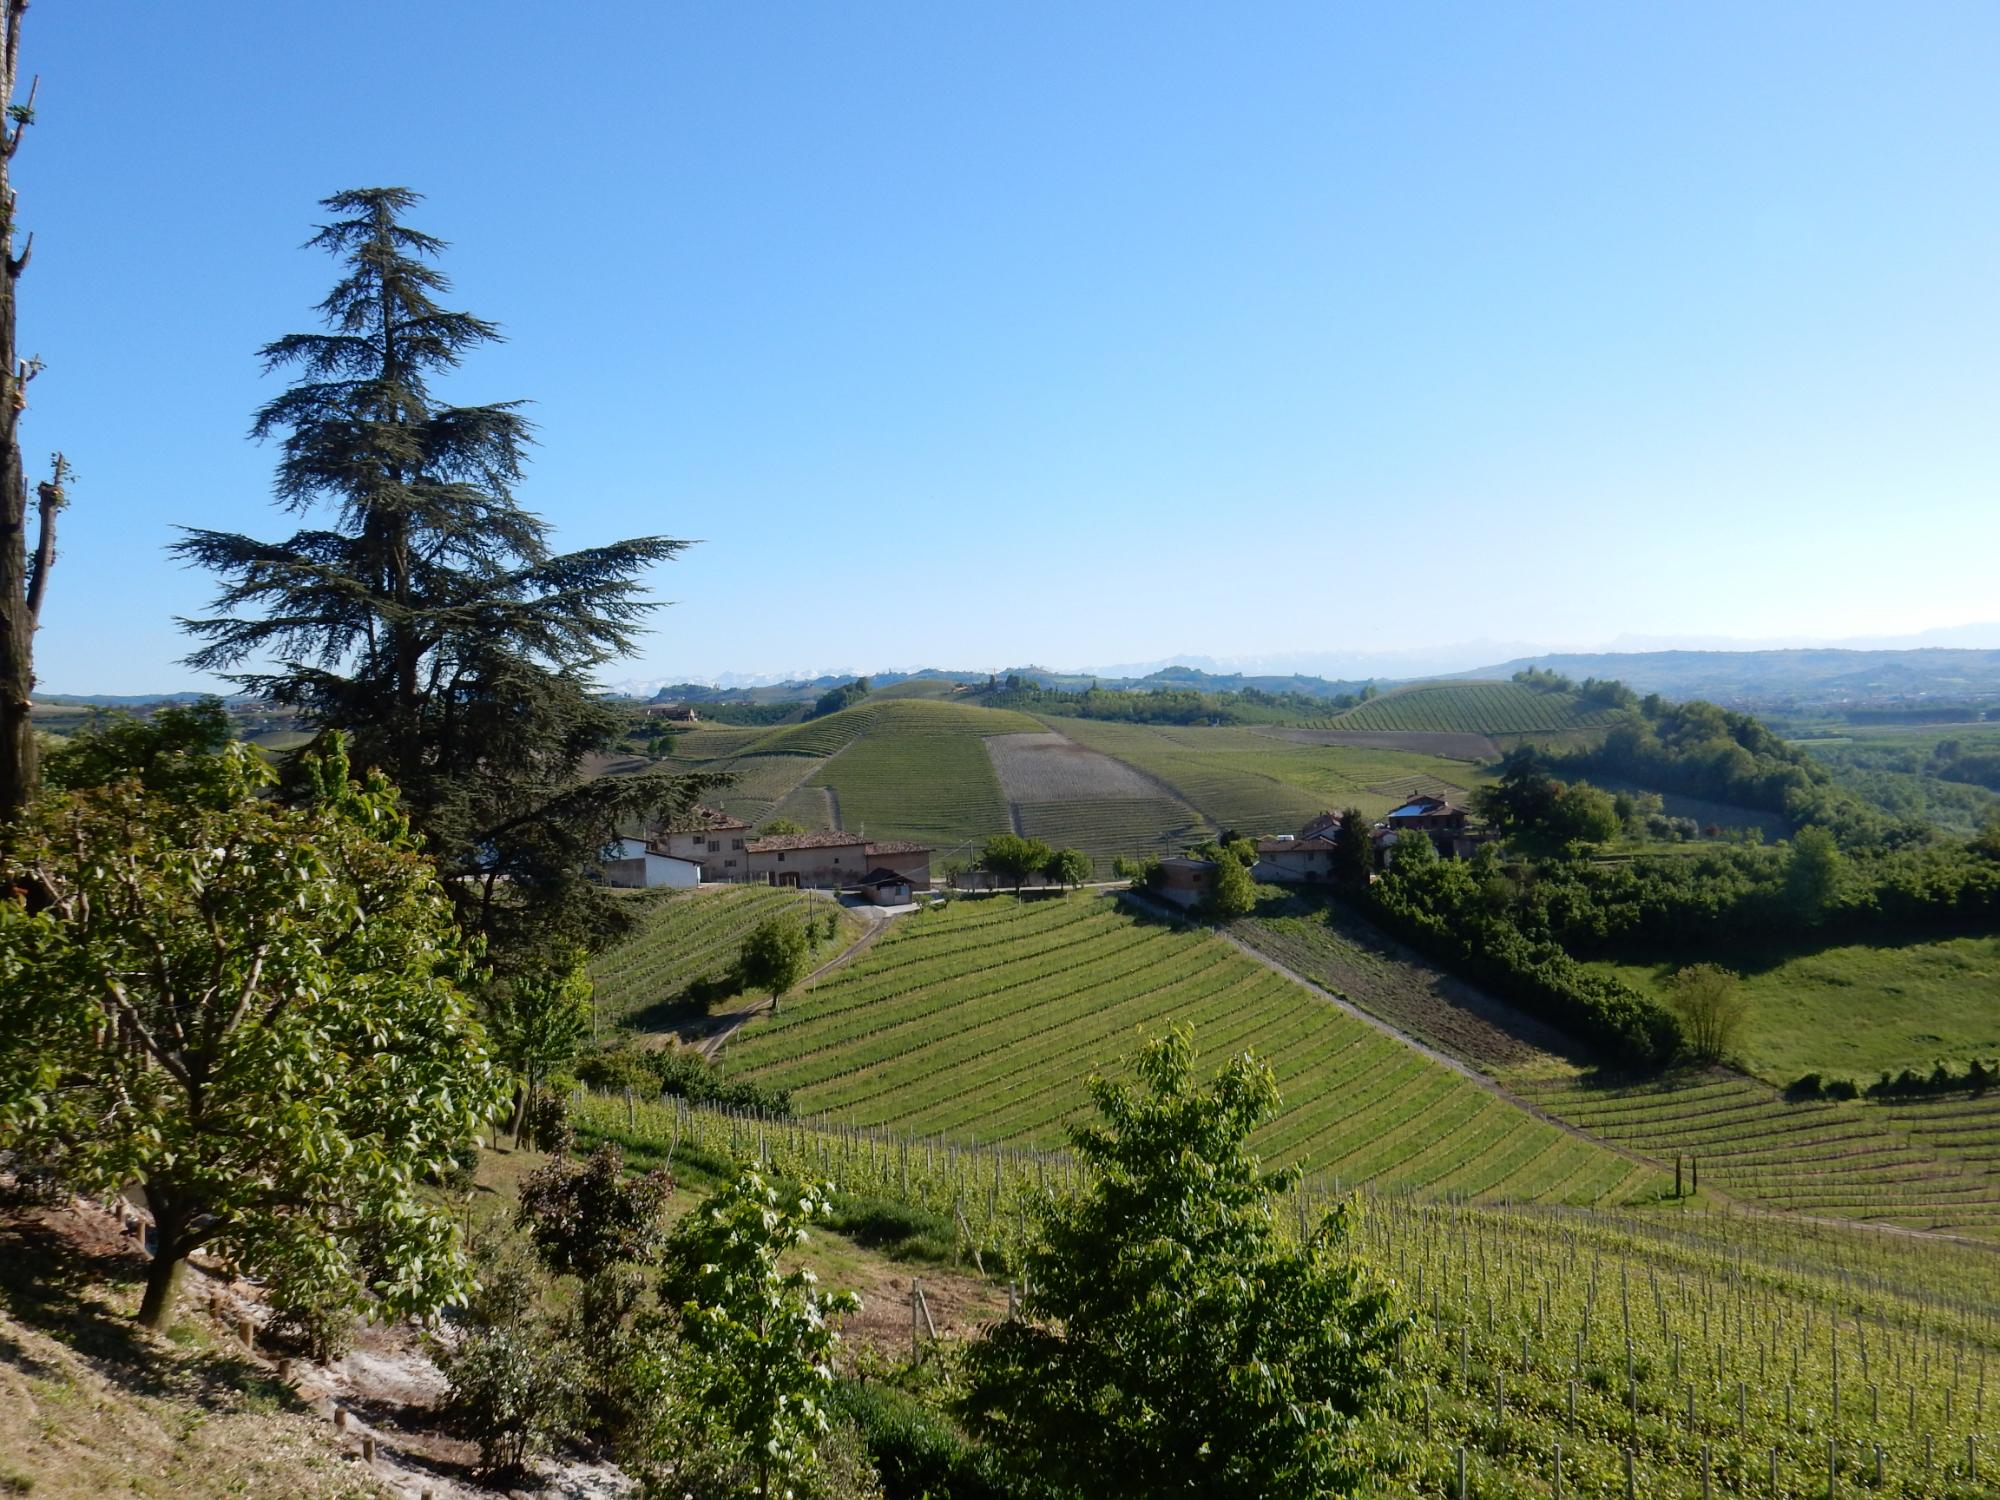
(702, 820)
(1317, 844)
(825, 839)
(897, 846)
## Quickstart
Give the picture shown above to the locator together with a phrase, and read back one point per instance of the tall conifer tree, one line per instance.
(429, 618)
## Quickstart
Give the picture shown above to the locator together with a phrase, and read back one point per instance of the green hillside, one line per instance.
(907, 767)
(1854, 1010)
(1473, 708)
(982, 1019)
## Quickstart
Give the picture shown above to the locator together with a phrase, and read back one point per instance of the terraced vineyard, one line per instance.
(1473, 708)
(981, 1020)
(679, 960)
(1855, 1160)
(1137, 826)
(1555, 1351)
(922, 772)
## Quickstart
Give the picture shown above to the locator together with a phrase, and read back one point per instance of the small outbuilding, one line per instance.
(1185, 880)
(637, 865)
(885, 887)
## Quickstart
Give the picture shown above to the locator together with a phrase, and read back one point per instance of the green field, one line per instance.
(678, 964)
(980, 1020)
(1859, 1009)
(1473, 708)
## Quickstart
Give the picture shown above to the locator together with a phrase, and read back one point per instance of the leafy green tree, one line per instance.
(1812, 874)
(538, 1022)
(1354, 851)
(512, 1377)
(1714, 1013)
(1175, 1344)
(775, 956)
(254, 1011)
(1014, 858)
(1411, 852)
(833, 700)
(778, 826)
(1069, 867)
(429, 617)
(751, 1370)
(1234, 892)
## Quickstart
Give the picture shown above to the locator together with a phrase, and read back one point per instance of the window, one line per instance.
(715, 846)
(735, 844)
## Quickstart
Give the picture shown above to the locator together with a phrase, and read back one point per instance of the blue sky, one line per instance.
(1074, 333)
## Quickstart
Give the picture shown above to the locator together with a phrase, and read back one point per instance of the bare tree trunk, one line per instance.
(23, 574)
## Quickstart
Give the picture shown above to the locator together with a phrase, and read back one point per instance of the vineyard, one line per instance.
(1261, 783)
(921, 772)
(1473, 708)
(980, 1020)
(1138, 826)
(680, 960)
(1932, 1165)
(1555, 1352)
(1855, 1160)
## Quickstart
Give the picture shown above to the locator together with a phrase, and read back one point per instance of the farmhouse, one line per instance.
(1427, 814)
(1294, 858)
(1185, 880)
(713, 840)
(833, 858)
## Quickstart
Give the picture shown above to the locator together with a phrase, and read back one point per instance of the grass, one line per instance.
(89, 1406)
(680, 963)
(1859, 1009)
(982, 1019)
(1473, 708)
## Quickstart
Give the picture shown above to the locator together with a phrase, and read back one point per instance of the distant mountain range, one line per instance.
(1913, 670)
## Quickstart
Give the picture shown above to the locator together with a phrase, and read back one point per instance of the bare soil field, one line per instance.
(1050, 767)
(1423, 742)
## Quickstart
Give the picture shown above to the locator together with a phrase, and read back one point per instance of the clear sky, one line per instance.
(1076, 333)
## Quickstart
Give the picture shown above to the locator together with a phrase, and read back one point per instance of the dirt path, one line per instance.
(719, 1029)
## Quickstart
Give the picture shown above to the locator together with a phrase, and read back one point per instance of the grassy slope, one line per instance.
(91, 1407)
(1857, 1009)
(981, 1020)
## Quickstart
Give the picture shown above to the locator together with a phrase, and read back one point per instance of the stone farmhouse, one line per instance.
(1306, 857)
(716, 847)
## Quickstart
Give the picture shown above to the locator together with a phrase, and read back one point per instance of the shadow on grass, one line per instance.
(53, 1284)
